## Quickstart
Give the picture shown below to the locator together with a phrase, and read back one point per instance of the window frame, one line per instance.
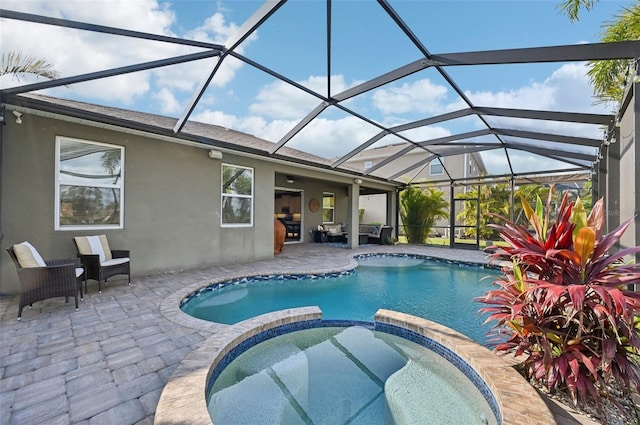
(440, 163)
(333, 208)
(224, 195)
(56, 210)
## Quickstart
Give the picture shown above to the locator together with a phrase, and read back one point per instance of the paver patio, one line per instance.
(108, 362)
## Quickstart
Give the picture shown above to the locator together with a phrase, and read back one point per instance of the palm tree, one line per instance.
(572, 7)
(17, 64)
(419, 210)
(609, 77)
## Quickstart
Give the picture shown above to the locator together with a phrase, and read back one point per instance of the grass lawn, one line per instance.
(445, 242)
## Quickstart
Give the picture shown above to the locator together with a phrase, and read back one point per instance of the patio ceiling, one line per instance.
(509, 132)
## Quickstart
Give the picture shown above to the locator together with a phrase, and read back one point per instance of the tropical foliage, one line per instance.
(496, 200)
(493, 199)
(419, 211)
(17, 64)
(609, 77)
(571, 8)
(563, 303)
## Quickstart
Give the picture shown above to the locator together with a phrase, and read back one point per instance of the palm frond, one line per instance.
(17, 64)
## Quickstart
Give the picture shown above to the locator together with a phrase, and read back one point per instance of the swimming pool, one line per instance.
(437, 290)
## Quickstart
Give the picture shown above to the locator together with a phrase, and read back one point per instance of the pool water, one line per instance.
(439, 291)
(336, 375)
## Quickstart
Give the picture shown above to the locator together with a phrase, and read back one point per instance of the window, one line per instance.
(89, 185)
(328, 203)
(435, 167)
(237, 195)
(368, 164)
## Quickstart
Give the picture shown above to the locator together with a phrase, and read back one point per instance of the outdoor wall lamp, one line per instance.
(290, 179)
(357, 181)
(214, 154)
(18, 116)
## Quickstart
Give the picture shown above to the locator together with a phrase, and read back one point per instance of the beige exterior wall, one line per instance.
(172, 200)
(458, 166)
(628, 184)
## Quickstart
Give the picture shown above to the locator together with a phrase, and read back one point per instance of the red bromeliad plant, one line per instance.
(564, 305)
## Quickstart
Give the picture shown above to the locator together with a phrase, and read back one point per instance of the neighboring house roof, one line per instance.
(381, 153)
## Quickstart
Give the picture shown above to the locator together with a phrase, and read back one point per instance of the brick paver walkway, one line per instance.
(108, 362)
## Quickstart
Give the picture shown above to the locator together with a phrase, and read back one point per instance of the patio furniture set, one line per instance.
(43, 279)
(367, 234)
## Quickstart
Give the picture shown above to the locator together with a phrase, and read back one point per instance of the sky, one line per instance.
(293, 43)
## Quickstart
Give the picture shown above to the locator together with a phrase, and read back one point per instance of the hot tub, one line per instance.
(506, 397)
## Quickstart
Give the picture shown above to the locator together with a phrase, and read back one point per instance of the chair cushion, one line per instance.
(94, 245)
(333, 229)
(79, 271)
(114, 261)
(28, 256)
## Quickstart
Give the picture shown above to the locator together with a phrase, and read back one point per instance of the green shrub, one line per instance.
(419, 210)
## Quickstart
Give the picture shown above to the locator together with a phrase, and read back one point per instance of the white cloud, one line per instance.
(421, 96)
(169, 105)
(332, 138)
(280, 100)
(74, 52)
(567, 89)
(217, 118)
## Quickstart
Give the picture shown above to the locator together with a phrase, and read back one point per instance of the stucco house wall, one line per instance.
(172, 199)
(628, 180)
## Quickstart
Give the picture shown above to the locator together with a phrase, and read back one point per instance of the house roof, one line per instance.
(195, 133)
(500, 129)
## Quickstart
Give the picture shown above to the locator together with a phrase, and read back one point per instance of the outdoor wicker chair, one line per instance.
(43, 279)
(100, 261)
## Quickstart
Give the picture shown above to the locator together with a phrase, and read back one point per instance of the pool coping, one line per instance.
(183, 398)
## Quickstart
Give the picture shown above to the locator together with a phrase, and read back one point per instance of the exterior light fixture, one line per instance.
(214, 154)
(357, 181)
(290, 179)
(18, 116)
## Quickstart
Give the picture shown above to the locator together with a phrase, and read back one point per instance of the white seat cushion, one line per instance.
(114, 261)
(94, 245)
(28, 256)
(79, 271)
